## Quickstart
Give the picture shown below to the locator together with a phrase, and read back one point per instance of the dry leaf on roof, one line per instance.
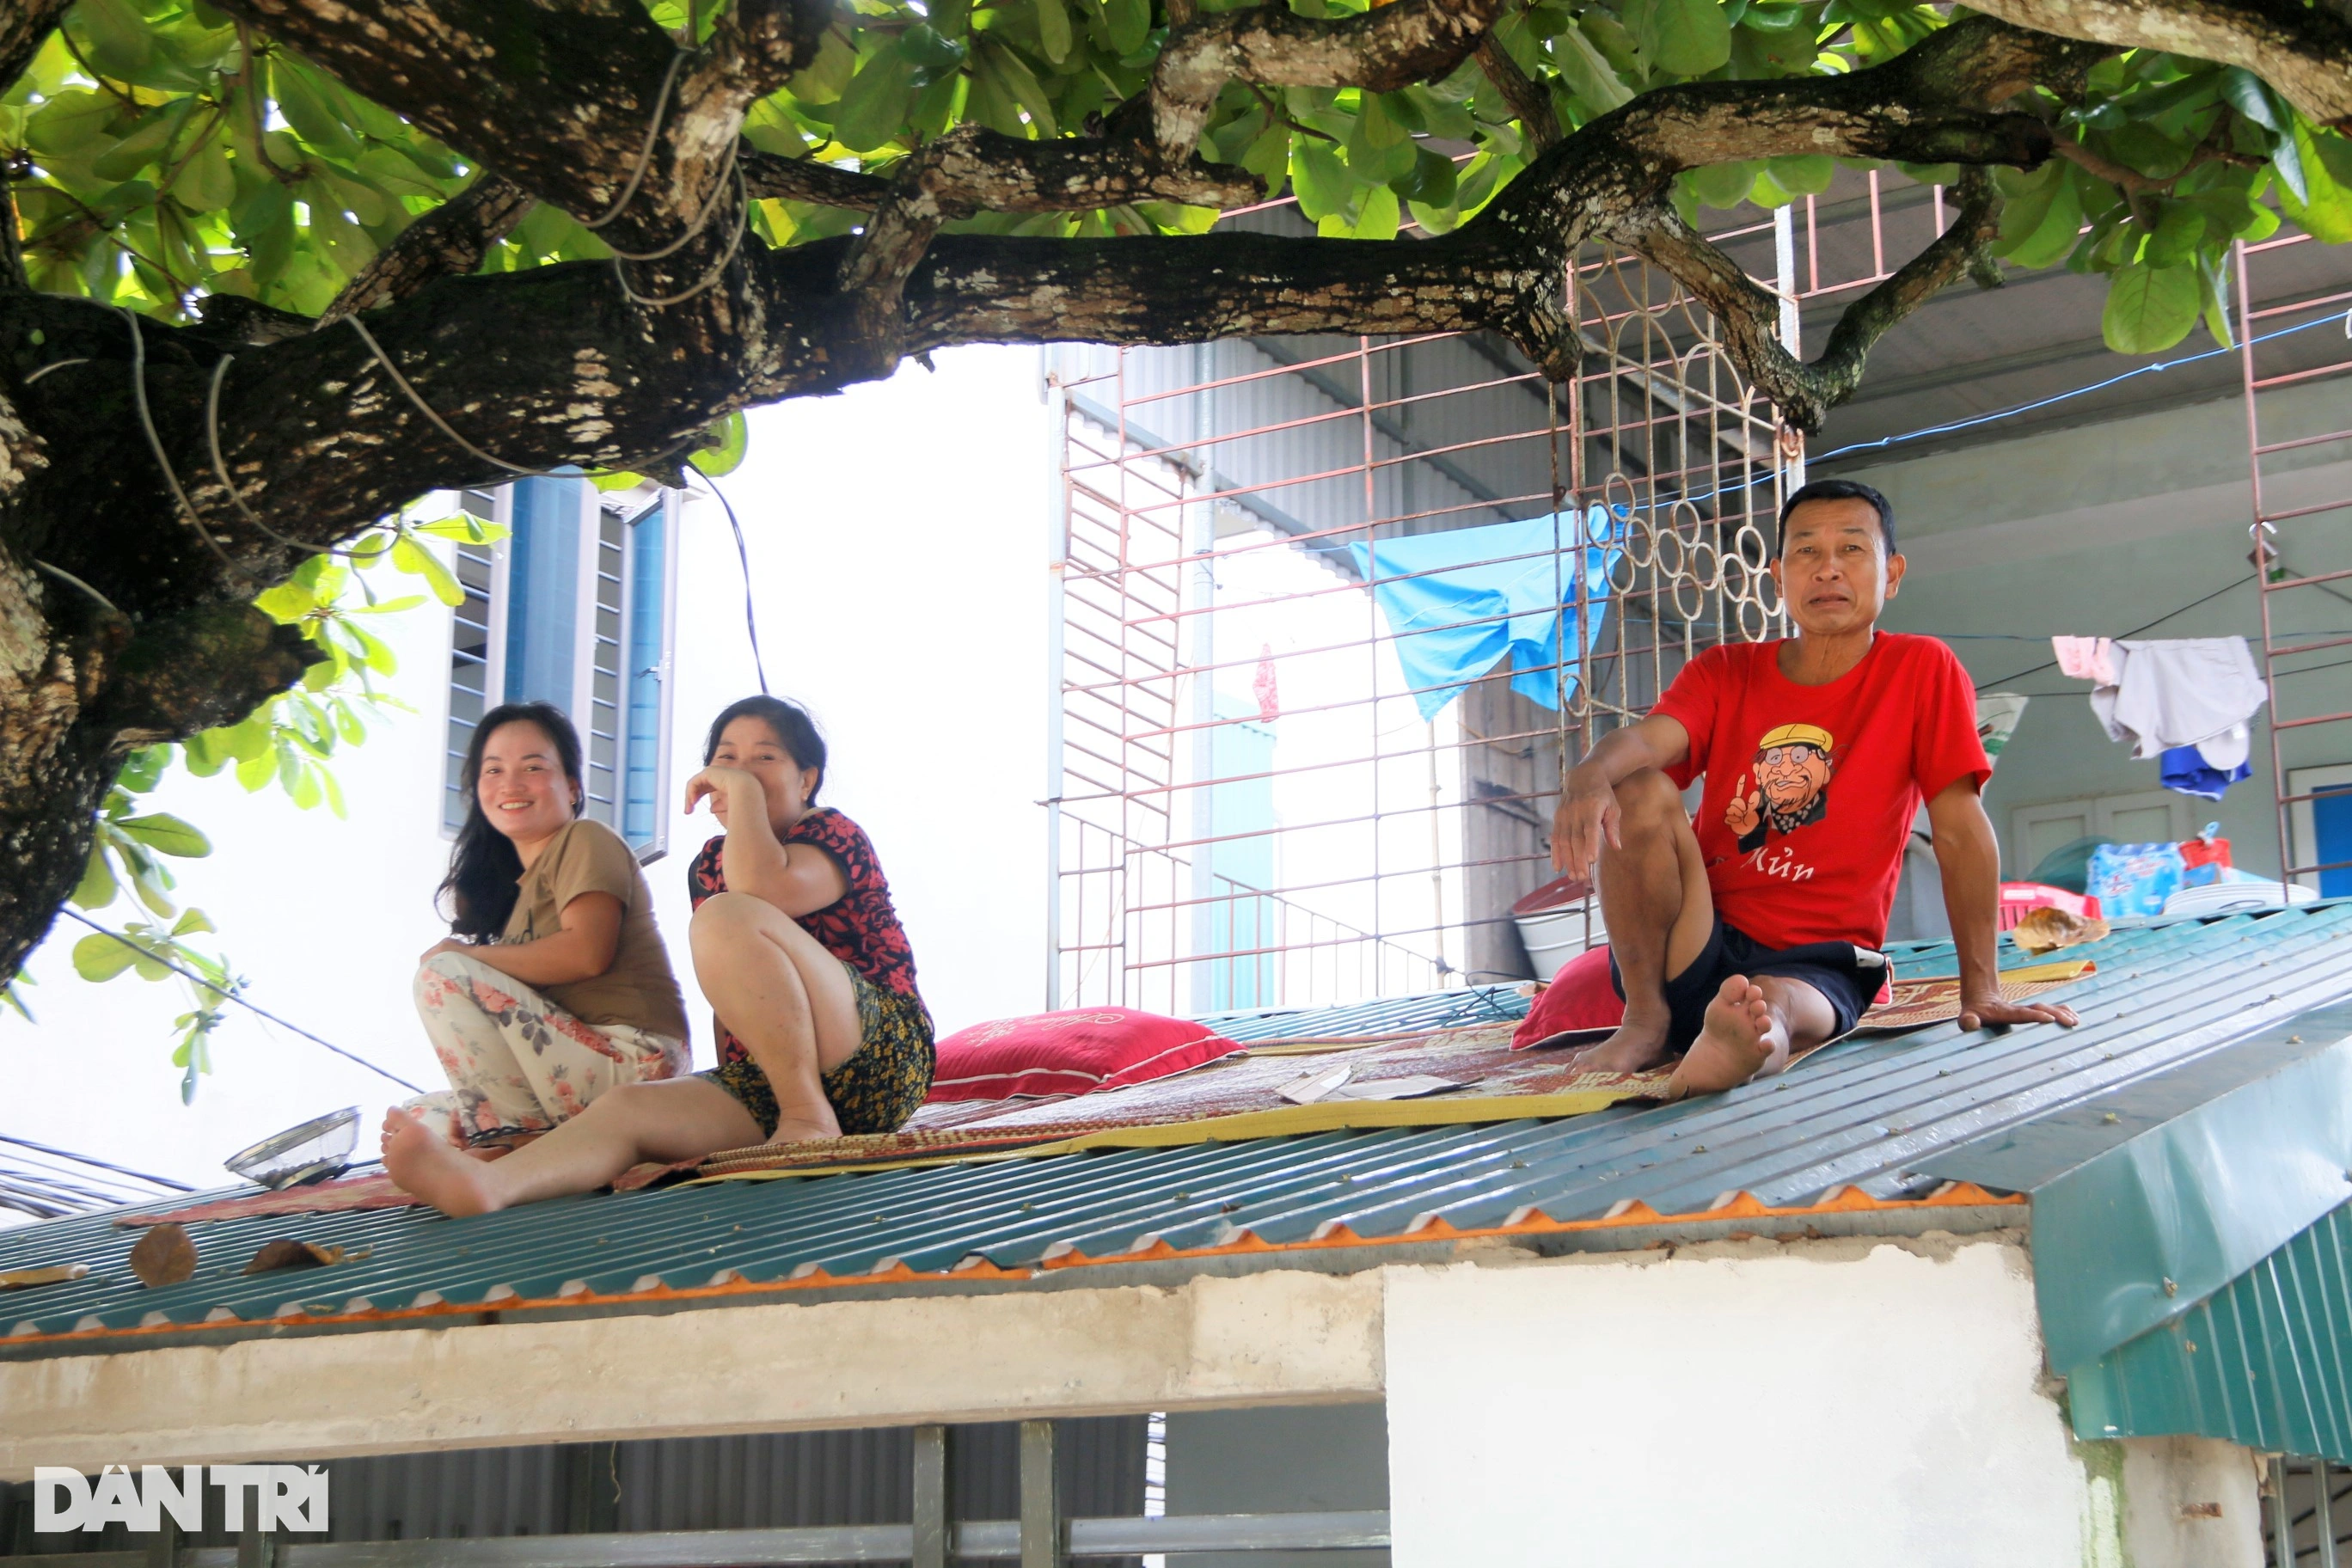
(164, 1256)
(50, 1274)
(2043, 930)
(286, 1253)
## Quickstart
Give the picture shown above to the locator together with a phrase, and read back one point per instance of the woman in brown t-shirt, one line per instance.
(556, 987)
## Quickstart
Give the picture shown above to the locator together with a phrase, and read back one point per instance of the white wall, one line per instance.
(1826, 1406)
(897, 544)
(897, 540)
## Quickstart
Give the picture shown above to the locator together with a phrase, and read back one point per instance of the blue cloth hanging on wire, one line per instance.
(1457, 602)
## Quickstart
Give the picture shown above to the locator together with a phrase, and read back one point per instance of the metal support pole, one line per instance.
(1057, 565)
(933, 1489)
(1041, 1502)
(591, 1487)
(256, 1548)
(2322, 1512)
(164, 1545)
(2282, 1521)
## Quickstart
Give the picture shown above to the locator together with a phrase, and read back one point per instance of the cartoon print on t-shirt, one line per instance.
(1793, 777)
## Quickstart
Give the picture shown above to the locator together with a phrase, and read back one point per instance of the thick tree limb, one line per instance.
(450, 240)
(1749, 317)
(24, 26)
(769, 175)
(558, 98)
(1387, 48)
(2303, 50)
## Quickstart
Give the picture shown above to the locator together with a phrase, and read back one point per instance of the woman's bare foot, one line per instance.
(791, 1131)
(1638, 1044)
(1740, 1039)
(426, 1165)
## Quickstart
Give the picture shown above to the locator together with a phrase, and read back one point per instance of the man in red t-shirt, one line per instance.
(1753, 932)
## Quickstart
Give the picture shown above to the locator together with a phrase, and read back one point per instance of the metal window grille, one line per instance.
(1220, 502)
(2297, 375)
(474, 640)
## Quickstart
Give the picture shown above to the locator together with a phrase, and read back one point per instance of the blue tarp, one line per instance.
(1457, 602)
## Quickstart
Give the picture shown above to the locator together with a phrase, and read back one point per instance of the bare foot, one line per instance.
(789, 1131)
(426, 1165)
(1638, 1044)
(1740, 1039)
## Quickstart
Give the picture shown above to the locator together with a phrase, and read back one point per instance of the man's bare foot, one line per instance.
(1739, 1039)
(1638, 1044)
(426, 1165)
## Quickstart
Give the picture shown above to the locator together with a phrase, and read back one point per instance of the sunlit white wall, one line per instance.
(896, 537)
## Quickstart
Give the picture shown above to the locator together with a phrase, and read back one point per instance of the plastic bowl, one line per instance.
(319, 1148)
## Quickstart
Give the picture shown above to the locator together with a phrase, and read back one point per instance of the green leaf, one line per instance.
(115, 36)
(142, 146)
(1321, 182)
(167, 835)
(97, 887)
(2243, 92)
(1687, 37)
(2150, 309)
(1724, 184)
(829, 73)
(1803, 176)
(2324, 207)
(1129, 22)
(1053, 28)
(205, 183)
(1588, 72)
(876, 102)
(100, 958)
(2038, 227)
(1379, 214)
(192, 921)
(414, 558)
(70, 123)
(2179, 228)
(723, 447)
(309, 103)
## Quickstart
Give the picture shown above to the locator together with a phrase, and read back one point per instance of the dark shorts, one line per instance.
(1835, 969)
(881, 1084)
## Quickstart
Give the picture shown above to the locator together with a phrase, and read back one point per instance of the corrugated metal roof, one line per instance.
(1395, 1014)
(2266, 1362)
(1866, 1115)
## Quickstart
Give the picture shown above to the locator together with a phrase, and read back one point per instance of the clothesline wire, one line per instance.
(227, 994)
(2052, 663)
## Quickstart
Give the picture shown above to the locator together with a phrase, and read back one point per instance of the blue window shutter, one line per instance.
(648, 667)
(543, 591)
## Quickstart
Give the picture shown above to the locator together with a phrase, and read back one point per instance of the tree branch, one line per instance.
(24, 26)
(772, 175)
(450, 240)
(1383, 50)
(1749, 316)
(2303, 50)
(558, 98)
(1526, 97)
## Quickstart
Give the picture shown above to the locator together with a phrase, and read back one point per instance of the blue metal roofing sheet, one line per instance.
(1870, 1113)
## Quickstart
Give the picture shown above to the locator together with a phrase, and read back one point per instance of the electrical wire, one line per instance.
(743, 556)
(227, 994)
(87, 1160)
(2052, 663)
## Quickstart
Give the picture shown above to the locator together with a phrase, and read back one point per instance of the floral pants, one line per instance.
(516, 1061)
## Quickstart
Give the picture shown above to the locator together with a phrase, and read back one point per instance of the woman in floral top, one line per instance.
(821, 1029)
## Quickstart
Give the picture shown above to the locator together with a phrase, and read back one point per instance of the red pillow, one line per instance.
(1579, 1000)
(1075, 1052)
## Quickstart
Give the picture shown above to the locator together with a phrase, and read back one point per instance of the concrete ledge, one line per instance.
(1281, 1337)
